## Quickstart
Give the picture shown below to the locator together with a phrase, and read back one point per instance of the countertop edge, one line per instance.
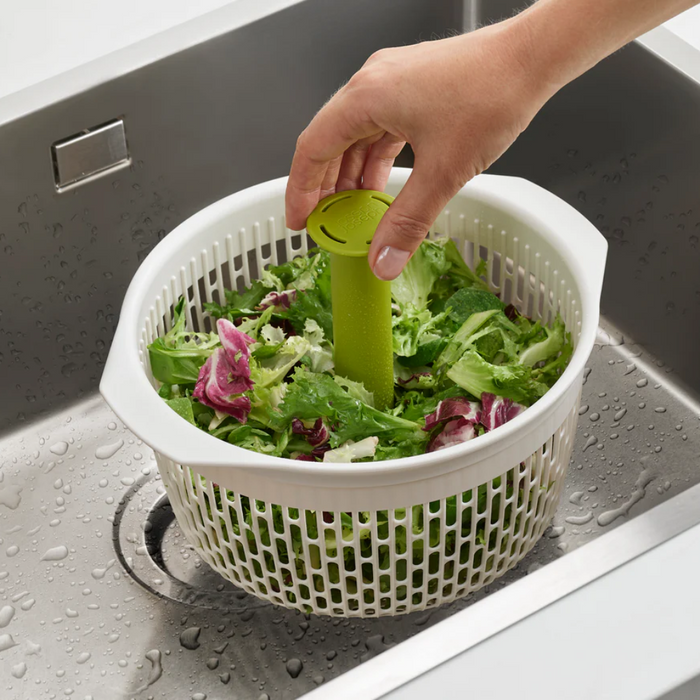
(130, 58)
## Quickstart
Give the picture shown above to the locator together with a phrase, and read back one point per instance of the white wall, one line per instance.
(40, 39)
(687, 26)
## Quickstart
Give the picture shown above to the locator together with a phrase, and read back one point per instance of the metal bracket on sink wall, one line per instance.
(90, 154)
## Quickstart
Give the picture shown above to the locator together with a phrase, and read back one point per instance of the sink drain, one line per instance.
(155, 553)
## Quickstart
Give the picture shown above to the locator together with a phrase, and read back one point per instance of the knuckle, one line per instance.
(356, 81)
(362, 147)
(387, 148)
(376, 56)
(304, 146)
(387, 160)
(368, 79)
(302, 141)
(409, 227)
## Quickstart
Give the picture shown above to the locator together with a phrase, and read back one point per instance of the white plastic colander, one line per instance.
(377, 538)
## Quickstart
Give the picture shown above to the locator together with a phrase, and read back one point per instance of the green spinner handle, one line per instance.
(362, 327)
(344, 224)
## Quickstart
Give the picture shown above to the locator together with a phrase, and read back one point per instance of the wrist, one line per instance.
(557, 43)
(536, 52)
(514, 50)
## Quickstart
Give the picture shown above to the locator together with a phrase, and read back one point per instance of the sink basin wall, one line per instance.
(200, 124)
(622, 145)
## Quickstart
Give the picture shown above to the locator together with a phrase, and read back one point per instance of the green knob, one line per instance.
(344, 224)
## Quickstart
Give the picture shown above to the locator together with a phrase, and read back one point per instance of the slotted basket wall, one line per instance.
(374, 538)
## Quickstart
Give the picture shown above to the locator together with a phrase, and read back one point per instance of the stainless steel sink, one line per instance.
(100, 596)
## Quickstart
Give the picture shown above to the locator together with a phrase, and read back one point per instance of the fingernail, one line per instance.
(390, 262)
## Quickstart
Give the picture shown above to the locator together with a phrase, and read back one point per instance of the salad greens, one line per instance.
(263, 378)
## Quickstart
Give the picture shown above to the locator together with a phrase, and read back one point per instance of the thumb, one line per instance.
(408, 219)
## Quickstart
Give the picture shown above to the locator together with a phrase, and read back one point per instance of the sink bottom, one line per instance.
(155, 553)
(102, 597)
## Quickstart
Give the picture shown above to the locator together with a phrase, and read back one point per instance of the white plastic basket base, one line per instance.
(372, 563)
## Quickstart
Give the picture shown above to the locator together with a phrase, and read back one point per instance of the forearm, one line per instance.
(567, 37)
(460, 103)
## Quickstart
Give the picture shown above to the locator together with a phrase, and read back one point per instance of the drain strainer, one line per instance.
(155, 553)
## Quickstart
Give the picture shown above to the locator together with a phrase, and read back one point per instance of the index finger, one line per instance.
(331, 132)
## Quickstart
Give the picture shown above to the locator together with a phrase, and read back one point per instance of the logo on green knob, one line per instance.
(344, 223)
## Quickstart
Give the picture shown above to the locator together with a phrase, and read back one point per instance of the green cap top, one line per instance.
(344, 223)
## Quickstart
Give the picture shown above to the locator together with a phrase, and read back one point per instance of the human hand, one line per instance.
(459, 102)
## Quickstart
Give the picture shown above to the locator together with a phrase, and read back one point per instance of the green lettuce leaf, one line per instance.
(463, 337)
(183, 407)
(547, 344)
(415, 283)
(356, 390)
(237, 303)
(313, 301)
(177, 357)
(470, 300)
(320, 352)
(460, 273)
(272, 370)
(413, 329)
(257, 439)
(473, 373)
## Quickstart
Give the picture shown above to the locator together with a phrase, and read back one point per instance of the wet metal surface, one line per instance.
(100, 595)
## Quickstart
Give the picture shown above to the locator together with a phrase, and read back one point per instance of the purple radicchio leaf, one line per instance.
(226, 374)
(455, 432)
(511, 313)
(279, 300)
(453, 408)
(316, 436)
(235, 344)
(496, 410)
